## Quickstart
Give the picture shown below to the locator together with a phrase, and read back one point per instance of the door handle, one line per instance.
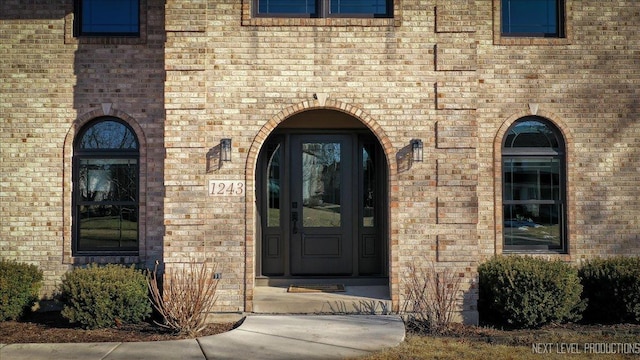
(294, 220)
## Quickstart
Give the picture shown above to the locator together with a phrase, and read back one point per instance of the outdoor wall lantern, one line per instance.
(416, 149)
(225, 149)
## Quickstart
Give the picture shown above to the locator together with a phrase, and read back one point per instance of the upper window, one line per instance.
(533, 196)
(536, 18)
(323, 8)
(105, 186)
(107, 17)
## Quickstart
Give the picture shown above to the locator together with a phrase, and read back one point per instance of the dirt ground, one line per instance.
(51, 327)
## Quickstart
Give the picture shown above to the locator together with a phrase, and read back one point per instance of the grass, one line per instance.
(562, 344)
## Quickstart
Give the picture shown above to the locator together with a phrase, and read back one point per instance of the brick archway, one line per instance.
(250, 176)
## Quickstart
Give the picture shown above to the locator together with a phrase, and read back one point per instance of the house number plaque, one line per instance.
(226, 187)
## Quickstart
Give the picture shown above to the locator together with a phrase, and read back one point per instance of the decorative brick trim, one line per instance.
(67, 185)
(571, 174)
(251, 223)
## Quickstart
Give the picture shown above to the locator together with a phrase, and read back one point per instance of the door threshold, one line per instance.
(347, 281)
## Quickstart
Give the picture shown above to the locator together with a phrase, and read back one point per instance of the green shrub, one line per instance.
(19, 287)
(525, 292)
(612, 289)
(103, 296)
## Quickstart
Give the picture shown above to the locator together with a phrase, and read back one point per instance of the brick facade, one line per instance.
(206, 70)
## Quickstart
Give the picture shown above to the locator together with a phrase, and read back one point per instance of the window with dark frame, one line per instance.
(323, 8)
(534, 189)
(105, 189)
(107, 17)
(534, 18)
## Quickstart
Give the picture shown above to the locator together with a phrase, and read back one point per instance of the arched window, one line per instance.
(534, 187)
(105, 188)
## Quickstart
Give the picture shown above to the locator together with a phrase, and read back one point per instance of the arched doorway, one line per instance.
(322, 201)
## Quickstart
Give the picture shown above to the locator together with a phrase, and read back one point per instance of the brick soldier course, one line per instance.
(201, 71)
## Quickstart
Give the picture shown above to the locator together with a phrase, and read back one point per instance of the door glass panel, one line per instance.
(321, 184)
(273, 185)
(368, 186)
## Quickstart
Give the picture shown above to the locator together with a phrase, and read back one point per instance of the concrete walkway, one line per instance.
(259, 337)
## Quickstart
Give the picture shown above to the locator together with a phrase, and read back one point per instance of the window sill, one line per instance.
(132, 257)
(547, 254)
(105, 40)
(529, 41)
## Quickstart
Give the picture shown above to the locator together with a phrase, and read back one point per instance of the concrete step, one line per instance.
(354, 300)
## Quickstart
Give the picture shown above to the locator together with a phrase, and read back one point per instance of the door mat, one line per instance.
(311, 288)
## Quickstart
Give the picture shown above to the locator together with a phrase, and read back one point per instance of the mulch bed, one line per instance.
(51, 327)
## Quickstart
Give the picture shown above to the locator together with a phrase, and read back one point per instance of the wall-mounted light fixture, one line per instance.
(416, 149)
(225, 150)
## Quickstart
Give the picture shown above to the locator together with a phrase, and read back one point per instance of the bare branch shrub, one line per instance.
(431, 298)
(184, 296)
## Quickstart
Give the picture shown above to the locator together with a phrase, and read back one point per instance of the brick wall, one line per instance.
(438, 71)
(50, 85)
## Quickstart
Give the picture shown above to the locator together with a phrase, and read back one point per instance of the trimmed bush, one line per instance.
(525, 292)
(19, 287)
(612, 289)
(104, 296)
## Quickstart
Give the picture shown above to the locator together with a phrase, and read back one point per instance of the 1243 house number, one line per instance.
(226, 188)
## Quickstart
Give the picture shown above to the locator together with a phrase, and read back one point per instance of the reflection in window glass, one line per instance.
(323, 8)
(533, 225)
(533, 191)
(119, 17)
(531, 17)
(273, 185)
(321, 184)
(531, 179)
(108, 135)
(108, 227)
(287, 7)
(358, 6)
(106, 179)
(369, 186)
(531, 133)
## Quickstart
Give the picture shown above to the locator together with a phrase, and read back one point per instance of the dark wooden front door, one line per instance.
(322, 206)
